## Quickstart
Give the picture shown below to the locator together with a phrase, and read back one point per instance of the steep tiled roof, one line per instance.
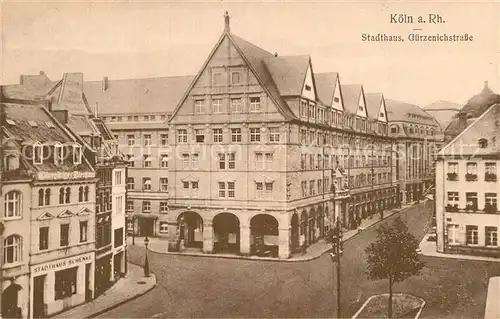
(350, 96)
(325, 86)
(255, 57)
(151, 95)
(485, 127)
(373, 101)
(402, 111)
(24, 132)
(288, 73)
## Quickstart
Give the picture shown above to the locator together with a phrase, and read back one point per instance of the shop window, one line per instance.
(65, 283)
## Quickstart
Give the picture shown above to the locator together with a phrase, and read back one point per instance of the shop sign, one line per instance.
(62, 264)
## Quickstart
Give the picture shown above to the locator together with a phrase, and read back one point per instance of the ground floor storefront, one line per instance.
(142, 225)
(61, 284)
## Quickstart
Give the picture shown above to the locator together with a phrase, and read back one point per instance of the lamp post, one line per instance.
(337, 250)
(146, 261)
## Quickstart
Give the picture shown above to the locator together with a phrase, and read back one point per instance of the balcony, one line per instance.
(451, 208)
(490, 177)
(470, 177)
(471, 209)
(452, 176)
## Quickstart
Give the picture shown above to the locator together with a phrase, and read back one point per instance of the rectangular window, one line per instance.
(216, 79)
(163, 228)
(64, 235)
(43, 238)
(200, 136)
(217, 105)
(130, 183)
(490, 201)
(118, 178)
(490, 168)
(235, 135)
(471, 234)
(164, 184)
(274, 134)
(222, 189)
(146, 206)
(471, 200)
(147, 161)
(164, 161)
(236, 105)
(222, 161)
(303, 137)
(164, 207)
(235, 78)
(230, 189)
(182, 136)
(194, 189)
(255, 104)
(491, 236)
(259, 190)
(453, 168)
(254, 134)
(130, 205)
(164, 139)
(217, 133)
(303, 186)
(453, 234)
(147, 139)
(185, 160)
(146, 183)
(119, 204)
(83, 231)
(65, 283)
(130, 140)
(311, 188)
(118, 237)
(198, 106)
(231, 160)
(472, 168)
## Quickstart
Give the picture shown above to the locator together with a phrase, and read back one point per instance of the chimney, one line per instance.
(226, 22)
(48, 105)
(96, 109)
(42, 73)
(105, 83)
(462, 121)
(61, 116)
(275, 54)
(485, 85)
(21, 79)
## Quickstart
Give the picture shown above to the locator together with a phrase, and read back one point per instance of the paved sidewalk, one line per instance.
(160, 245)
(492, 308)
(428, 248)
(133, 285)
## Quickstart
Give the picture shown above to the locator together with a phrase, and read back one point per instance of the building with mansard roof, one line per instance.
(48, 187)
(65, 99)
(467, 189)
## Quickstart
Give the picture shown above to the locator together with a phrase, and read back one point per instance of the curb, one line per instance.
(355, 316)
(118, 304)
(290, 260)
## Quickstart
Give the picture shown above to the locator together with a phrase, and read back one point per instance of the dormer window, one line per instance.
(11, 122)
(308, 87)
(37, 153)
(58, 154)
(483, 143)
(50, 125)
(77, 154)
(381, 114)
(32, 123)
(336, 99)
(12, 162)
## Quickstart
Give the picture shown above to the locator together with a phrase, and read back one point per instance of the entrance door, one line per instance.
(146, 227)
(38, 297)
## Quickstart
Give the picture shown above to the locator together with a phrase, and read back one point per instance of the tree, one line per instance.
(393, 256)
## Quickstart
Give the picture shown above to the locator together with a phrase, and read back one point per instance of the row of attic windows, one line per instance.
(58, 152)
(31, 123)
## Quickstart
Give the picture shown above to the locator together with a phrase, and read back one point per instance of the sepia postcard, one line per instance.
(249, 159)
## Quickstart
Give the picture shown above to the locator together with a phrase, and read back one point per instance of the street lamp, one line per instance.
(146, 261)
(337, 250)
(133, 230)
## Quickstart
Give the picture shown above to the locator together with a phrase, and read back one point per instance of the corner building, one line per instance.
(262, 153)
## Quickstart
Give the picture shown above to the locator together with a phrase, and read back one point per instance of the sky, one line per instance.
(154, 39)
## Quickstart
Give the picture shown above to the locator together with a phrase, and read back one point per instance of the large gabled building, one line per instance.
(257, 153)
